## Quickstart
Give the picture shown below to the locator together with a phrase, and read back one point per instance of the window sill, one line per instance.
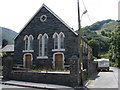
(42, 57)
(58, 49)
(28, 50)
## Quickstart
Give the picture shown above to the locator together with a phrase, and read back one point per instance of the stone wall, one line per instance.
(53, 78)
(71, 78)
(63, 78)
(92, 68)
(7, 63)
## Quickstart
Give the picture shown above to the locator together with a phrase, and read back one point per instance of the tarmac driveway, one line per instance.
(104, 79)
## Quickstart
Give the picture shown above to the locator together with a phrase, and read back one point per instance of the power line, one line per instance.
(87, 12)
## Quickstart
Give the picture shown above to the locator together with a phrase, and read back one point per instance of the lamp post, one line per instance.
(80, 42)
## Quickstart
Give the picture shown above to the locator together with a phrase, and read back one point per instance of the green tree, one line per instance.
(95, 46)
(114, 51)
(103, 33)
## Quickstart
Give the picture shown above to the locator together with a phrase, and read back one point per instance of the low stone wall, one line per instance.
(71, 79)
(92, 68)
(40, 77)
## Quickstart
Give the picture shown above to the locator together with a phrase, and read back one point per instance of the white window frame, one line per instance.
(56, 34)
(26, 38)
(61, 33)
(39, 37)
(41, 18)
(43, 47)
(27, 49)
(29, 44)
(44, 43)
(58, 49)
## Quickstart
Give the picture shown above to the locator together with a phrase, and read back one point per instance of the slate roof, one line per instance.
(8, 48)
(0, 46)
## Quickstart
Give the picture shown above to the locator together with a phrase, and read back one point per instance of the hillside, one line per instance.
(98, 33)
(103, 27)
(7, 34)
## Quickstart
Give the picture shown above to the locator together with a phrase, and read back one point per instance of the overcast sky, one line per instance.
(14, 14)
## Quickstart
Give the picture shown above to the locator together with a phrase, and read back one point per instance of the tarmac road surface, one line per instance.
(104, 79)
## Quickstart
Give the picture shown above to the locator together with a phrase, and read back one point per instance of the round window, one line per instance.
(43, 18)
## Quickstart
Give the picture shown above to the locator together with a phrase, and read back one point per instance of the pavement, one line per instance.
(36, 85)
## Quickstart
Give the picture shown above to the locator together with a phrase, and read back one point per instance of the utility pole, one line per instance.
(80, 45)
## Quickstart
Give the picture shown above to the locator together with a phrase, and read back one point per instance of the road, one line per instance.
(104, 79)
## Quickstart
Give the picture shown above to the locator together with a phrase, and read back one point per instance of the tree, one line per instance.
(114, 51)
(118, 46)
(103, 33)
(95, 46)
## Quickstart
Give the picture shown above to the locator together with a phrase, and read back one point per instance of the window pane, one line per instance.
(40, 47)
(61, 41)
(45, 46)
(30, 43)
(56, 42)
(26, 44)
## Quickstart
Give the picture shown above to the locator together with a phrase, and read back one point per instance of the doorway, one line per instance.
(58, 61)
(28, 60)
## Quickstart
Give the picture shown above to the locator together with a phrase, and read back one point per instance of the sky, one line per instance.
(14, 14)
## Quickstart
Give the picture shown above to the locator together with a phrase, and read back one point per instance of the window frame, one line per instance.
(44, 49)
(26, 38)
(30, 42)
(60, 40)
(56, 36)
(45, 45)
(40, 44)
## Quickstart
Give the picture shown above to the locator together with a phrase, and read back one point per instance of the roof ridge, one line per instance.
(59, 18)
(50, 12)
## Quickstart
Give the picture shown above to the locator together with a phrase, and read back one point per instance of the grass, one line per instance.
(89, 82)
(51, 70)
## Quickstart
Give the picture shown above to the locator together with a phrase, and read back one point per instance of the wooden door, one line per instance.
(58, 61)
(28, 61)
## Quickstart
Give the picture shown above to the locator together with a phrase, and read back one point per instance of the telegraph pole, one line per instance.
(80, 45)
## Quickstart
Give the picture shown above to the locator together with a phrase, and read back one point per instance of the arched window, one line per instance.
(55, 36)
(45, 49)
(30, 44)
(40, 44)
(26, 42)
(61, 40)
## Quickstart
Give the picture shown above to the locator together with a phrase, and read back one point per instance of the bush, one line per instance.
(113, 64)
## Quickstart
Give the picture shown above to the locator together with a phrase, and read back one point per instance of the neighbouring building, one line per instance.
(8, 50)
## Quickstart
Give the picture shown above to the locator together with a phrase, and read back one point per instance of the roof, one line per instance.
(54, 15)
(0, 46)
(102, 59)
(8, 48)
